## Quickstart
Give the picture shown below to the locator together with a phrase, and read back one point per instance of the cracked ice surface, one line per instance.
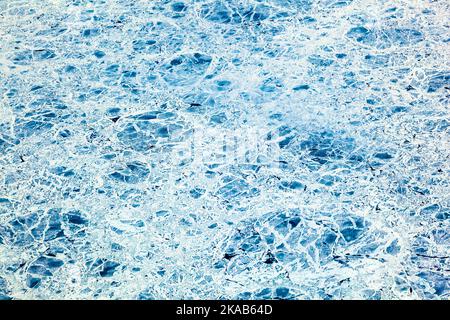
(288, 149)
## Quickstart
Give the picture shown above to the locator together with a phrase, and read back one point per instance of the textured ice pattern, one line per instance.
(234, 149)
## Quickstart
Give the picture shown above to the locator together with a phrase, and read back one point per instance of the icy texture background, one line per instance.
(106, 105)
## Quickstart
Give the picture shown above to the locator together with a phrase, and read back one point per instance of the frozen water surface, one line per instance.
(241, 149)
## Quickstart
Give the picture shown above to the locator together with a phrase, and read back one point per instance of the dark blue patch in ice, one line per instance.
(399, 109)
(236, 188)
(23, 57)
(294, 185)
(383, 156)
(133, 172)
(4, 145)
(256, 13)
(222, 85)
(88, 33)
(219, 12)
(75, 217)
(219, 118)
(104, 267)
(376, 60)
(196, 192)
(43, 54)
(137, 140)
(99, 54)
(25, 129)
(301, 87)
(147, 46)
(352, 228)
(41, 268)
(65, 133)
(178, 6)
(49, 226)
(109, 268)
(393, 248)
(281, 293)
(33, 282)
(62, 171)
(320, 61)
(385, 38)
(439, 282)
(185, 69)
(438, 81)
